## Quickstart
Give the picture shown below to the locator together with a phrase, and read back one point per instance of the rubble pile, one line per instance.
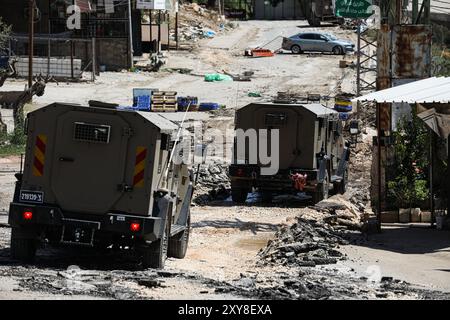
(359, 170)
(213, 184)
(196, 23)
(306, 243)
(316, 236)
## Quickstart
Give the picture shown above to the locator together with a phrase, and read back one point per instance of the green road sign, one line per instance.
(358, 9)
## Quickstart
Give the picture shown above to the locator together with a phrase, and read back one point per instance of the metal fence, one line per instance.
(55, 56)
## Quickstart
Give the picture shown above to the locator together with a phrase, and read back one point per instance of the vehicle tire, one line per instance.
(178, 244)
(155, 254)
(22, 249)
(337, 50)
(266, 196)
(239, 195)
(314, 21)
(295, 49)
(322, 190)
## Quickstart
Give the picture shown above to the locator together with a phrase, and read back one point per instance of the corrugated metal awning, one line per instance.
(430, 90)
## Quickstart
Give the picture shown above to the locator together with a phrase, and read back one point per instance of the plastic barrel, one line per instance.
(208, 106)
(343, 108)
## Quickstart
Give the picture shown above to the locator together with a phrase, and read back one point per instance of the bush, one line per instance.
(409, 185)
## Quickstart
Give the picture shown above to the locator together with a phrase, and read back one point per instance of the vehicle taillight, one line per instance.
(135, 227)
(27, 215)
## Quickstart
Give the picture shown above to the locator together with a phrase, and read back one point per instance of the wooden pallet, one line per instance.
(164, 93)
(164, 100)
(164, 107)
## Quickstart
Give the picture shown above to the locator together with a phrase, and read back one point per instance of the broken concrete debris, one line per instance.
(197, 22)
(212, 184)
(306, 243)
(316, 235)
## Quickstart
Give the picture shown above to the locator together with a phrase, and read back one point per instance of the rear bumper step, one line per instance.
(150, 228)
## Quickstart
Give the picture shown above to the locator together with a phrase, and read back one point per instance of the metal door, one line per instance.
(89, 161)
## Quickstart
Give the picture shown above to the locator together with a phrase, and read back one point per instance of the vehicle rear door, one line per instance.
(286, 121)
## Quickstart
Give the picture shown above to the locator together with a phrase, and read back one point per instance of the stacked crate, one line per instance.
(164, 101)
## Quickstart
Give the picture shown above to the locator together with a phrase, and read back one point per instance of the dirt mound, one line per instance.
(316, 236)
(197, 22)
(192, 14)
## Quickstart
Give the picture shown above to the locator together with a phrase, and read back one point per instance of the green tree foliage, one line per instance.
(411, 141)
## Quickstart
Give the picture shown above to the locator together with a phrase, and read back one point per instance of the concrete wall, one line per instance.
(59, 67)
(113, 53)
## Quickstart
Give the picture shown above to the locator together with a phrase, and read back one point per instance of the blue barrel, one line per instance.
(208, 106)
(342, 108)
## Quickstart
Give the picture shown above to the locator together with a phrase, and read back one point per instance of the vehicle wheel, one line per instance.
(322, 190)
(178, 243)
(338, 50)
(155, 254)
(22, 249)
(266, 196)
(314, 21)
(296, 49)
(239, 195)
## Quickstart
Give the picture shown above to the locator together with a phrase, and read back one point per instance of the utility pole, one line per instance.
(176, 29)
(31, 6)
(159, 31)
(130, 34)
(415, 10)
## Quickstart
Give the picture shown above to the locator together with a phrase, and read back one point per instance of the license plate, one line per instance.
(31, 196)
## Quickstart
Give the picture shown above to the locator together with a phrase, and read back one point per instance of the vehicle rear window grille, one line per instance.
(275, 119)
(87, 132)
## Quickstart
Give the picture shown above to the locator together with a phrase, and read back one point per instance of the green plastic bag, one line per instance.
(211, 77)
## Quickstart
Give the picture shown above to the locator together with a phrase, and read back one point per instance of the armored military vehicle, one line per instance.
(101, 177)
(313, 154)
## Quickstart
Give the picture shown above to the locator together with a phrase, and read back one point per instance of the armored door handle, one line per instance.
(64, 159)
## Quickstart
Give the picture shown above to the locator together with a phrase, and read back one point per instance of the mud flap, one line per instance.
(163, 209)
(182, 219)
(322, 169)
(343, 162)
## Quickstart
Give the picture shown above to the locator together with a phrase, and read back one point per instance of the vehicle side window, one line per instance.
(308, 36)
(321, 37)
